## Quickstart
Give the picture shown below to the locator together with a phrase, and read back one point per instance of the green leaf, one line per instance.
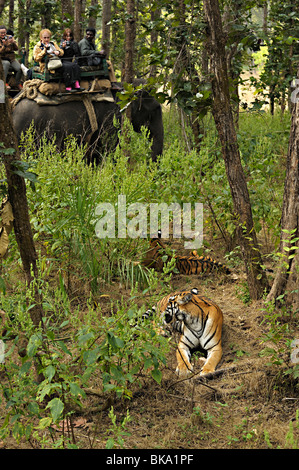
(114, 341)
(76, 390)
(157, 375)
(33, 408)
(90, 357)
(47, 389)
(148, 363)
(34, 343)
(84, 338)
(56, 407)
(25, 368)
(44, 423)
(64, 348)
(9, 151)
(50, 372)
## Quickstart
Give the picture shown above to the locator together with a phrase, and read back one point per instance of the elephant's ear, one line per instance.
(148, 102)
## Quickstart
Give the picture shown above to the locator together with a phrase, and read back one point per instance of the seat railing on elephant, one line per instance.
(87, 71)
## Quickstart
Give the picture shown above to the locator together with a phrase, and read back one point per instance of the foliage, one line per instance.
(86, 339)
(68, 352)
(281, 40)
(117, 430)
(282, 325)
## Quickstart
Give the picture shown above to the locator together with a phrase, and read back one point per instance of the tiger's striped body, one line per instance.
(193, 264)
(199, 321)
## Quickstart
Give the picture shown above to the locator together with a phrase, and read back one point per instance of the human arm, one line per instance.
(86, 49)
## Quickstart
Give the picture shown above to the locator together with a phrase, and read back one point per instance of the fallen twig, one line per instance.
(217, 373)
(197, 381)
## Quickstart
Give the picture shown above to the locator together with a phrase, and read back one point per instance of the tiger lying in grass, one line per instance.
(199, 320)
(193, 264)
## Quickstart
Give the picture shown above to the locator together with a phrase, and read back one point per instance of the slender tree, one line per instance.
(155, 15)
(130, 33)
(11, 14)
(106, 19)
(2, 5)
(18, 199)
(67, 11)
(223, 116)
(289, 243)
(78, 9)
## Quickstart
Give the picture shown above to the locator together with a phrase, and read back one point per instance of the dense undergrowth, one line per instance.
(88, 337)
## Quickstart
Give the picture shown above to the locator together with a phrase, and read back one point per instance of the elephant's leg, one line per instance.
(156, 133)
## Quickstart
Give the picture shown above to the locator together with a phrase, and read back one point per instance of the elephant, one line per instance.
(72, 118)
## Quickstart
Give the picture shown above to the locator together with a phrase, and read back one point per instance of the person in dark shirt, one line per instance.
(69, 45)
(88, 49)
(8, 48)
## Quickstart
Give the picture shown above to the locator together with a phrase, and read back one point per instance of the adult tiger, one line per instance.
(193, 264)
(199, 320)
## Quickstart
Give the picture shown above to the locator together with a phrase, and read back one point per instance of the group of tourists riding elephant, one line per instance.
(89, 119)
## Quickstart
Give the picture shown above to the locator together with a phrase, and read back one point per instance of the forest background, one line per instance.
(239, 157)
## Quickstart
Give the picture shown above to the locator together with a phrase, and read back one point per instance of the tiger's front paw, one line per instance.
(201, 361)
(184, 372)
(206, 370)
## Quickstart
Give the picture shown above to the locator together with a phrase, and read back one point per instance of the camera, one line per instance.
(43, 46)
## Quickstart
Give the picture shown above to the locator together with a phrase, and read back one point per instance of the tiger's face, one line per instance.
(177, 306)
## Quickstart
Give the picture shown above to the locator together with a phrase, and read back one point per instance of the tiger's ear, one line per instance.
(194, 291)
(185, 299)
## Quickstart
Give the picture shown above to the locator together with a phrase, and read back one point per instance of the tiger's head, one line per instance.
(173, 310)
(153, 257)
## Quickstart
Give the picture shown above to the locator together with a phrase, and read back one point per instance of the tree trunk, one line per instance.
(24, 28)
(106, 18)
(18, 199)
(130, 33)
(186, 70)
(222, 113)
(2, 5)
(11, 14)
(155, 15)
(77, 20)
(290, 210)
(265, 18)
(46, 19)
(67, 12)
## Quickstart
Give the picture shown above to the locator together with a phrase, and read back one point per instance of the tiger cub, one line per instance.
(199, 320)
(193, 264)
